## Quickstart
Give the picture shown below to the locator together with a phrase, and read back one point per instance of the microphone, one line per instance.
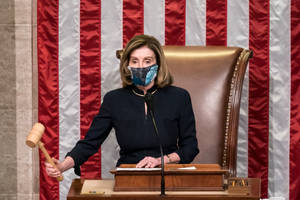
(149, 102)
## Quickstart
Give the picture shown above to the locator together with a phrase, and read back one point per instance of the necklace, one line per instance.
(142, 95)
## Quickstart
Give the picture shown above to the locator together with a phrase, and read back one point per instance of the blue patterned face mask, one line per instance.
(143, 76)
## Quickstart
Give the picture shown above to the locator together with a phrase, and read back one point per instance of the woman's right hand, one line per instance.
(54, 171)
(60, 166)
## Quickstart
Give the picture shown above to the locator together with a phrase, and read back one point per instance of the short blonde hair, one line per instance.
(163, 78)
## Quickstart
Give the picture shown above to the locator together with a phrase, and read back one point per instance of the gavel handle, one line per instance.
(49, 159)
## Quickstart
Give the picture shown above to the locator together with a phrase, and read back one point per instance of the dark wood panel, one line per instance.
(254, 193)
(202, 177)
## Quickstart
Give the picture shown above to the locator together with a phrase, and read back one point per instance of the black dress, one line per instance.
(124, 110)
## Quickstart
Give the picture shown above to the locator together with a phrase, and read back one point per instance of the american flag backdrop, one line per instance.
(77, 40)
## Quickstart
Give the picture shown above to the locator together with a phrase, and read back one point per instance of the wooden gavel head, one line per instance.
(35, 135)
(33, 139)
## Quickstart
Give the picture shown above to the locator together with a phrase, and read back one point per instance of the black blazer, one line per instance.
(124, 110)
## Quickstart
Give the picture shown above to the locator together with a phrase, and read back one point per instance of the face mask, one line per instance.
(143, 76)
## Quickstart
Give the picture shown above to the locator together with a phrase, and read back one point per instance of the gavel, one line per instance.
(33, 139)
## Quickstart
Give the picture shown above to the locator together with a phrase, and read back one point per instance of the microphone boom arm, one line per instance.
(148, 100)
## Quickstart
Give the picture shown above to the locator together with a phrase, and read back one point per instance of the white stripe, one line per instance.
(238, 35)
(154, 19)
(279, 99)
(195, 30)
(69, 84)
(238, 23)
(242, 148)
(111, 40)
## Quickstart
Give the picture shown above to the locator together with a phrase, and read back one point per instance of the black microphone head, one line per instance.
(148, 100)
(148, 96)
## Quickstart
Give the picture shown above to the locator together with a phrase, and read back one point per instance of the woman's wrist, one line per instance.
(170, 158)
(166, 160)
(67, 164)
(173, 158)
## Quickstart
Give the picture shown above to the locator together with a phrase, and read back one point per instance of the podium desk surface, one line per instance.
(109, 194)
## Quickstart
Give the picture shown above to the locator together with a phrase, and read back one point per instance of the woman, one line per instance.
(143, 69)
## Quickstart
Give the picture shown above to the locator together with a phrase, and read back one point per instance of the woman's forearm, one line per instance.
(68, 163)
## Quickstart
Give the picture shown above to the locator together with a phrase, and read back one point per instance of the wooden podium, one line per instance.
(178, 177)
(202, 182)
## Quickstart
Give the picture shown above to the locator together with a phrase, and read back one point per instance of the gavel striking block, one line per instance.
(34, 138)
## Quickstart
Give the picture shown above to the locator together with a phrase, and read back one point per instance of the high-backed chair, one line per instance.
(213, 75)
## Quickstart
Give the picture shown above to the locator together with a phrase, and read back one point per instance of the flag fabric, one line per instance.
(76, 43)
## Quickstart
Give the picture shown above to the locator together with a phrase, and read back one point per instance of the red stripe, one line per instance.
(175, 22)
(90, 76)
(295, 99)
(216, 22)
(258, 123)
(133, 19)
(47, 47)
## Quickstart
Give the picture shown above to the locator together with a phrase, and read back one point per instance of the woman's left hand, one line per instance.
(149, 162)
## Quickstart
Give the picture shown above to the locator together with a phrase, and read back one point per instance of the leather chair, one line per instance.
(213, 75)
